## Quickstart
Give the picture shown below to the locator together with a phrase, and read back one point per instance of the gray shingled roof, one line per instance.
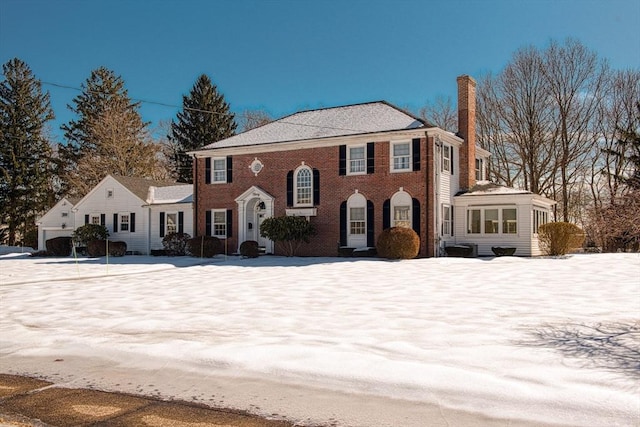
(357, 119)
(140, 186)
(182, 193)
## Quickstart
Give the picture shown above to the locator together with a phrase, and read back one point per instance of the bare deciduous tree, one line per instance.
(442, 113)
(250, 119)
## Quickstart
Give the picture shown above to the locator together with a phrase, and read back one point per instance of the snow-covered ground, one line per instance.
(544, 340)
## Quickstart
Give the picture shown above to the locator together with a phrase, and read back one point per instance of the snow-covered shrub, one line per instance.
(249, 249)
(204, 246)
(98, 248)
(175, 244)
(59, 246)
(560, 238)
(398, 243)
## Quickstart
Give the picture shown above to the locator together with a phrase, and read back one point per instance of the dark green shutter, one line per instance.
(132, 222)
(161, 224)
(370, 225)
(342, 162)
(229, 169)
(208, 223)
(86, 219)
(386, 214)
(416, 154)
(115, 222)
(290, 188)
(229, 223)
(207, 170)
(343, 224)
(451, 159)
(181, 222)
(103, 219)
(370, 158)
(415, 216)
(316, 187)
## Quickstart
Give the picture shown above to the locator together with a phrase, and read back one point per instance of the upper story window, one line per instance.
(303, 186)
(400, 156)
(357, 160)
(65, 214)
(479, 170)
(446, 220)
(446, 158)
(219, 170)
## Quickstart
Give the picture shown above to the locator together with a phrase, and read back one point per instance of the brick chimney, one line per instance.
(467, 130)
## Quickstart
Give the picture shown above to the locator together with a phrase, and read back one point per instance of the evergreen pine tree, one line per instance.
(205, 118)
(108, 136)
(25, 153)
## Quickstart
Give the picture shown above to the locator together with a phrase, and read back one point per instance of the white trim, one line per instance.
(297, 171)
(213, 223)
(364, 159)
(392, 167)
(254, 192)
(213, 170)
(401, 199)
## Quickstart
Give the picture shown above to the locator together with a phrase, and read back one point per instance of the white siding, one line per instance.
(121, 201)
(155, 241)
(53, 224)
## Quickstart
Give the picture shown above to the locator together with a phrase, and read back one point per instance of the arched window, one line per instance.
(303, 179)
(401, 210)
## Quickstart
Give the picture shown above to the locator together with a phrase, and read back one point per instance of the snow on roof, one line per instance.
(487, 187)
(172, 194)
(372, 117)
(140, 186)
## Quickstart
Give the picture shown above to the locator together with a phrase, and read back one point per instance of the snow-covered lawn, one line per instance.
(512, 338)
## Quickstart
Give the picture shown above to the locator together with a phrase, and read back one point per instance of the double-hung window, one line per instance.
(219, 170)
(400, 156)
(357, 160)
(124, 222)
(219, 223)
(479, 170)
(446, 220)
(171, 223)
(357, 224)
(446, 158)
(95, 219)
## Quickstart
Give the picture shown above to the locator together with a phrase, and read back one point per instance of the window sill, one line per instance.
(302, 212)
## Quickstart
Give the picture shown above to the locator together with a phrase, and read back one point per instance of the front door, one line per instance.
(254, 206)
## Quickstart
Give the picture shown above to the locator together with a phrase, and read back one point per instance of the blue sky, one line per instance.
(284, 55)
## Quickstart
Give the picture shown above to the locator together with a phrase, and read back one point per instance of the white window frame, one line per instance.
(447, 152)
(447, 222)
(361, 163)
(393, 157)
(479, 169)
(401, 202)
(306, 201)
(122, 224)
(219, 228)
(168, 215)
(540, 217)
(218, 175)
(95, 219)
(504, 226)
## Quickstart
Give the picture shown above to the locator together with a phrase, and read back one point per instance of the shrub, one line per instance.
(288, 231)
(204, 246)
(175, 244)
(88, 232)
(249, 249)
(98, 248)
(559, 238)
(398, 243)
(59, 246)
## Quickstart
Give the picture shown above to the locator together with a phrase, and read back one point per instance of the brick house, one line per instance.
(352, 171)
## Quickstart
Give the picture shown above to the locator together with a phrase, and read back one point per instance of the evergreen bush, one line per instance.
(398, 243)
(249, 249)
(559, 238)
(204, 246)
(59, 246)
(98, 248)
(88, 232)
(288, 231)
(175, 244)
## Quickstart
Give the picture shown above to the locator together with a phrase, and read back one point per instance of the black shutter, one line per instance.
(342, 162)
(370, 225)
(208, 223)
(370, 158)
(343, 224)
(290, 188)
(415, 216)
(229, 169)
(161, 224)
(451, 159)
(115, 222)
(416, 154)
(180, 222)
(207, 170)
(103, 219)
(386, 214)
(316, 187)
(229, 223)
(132, 222)
(86, 219)
(451, 218)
